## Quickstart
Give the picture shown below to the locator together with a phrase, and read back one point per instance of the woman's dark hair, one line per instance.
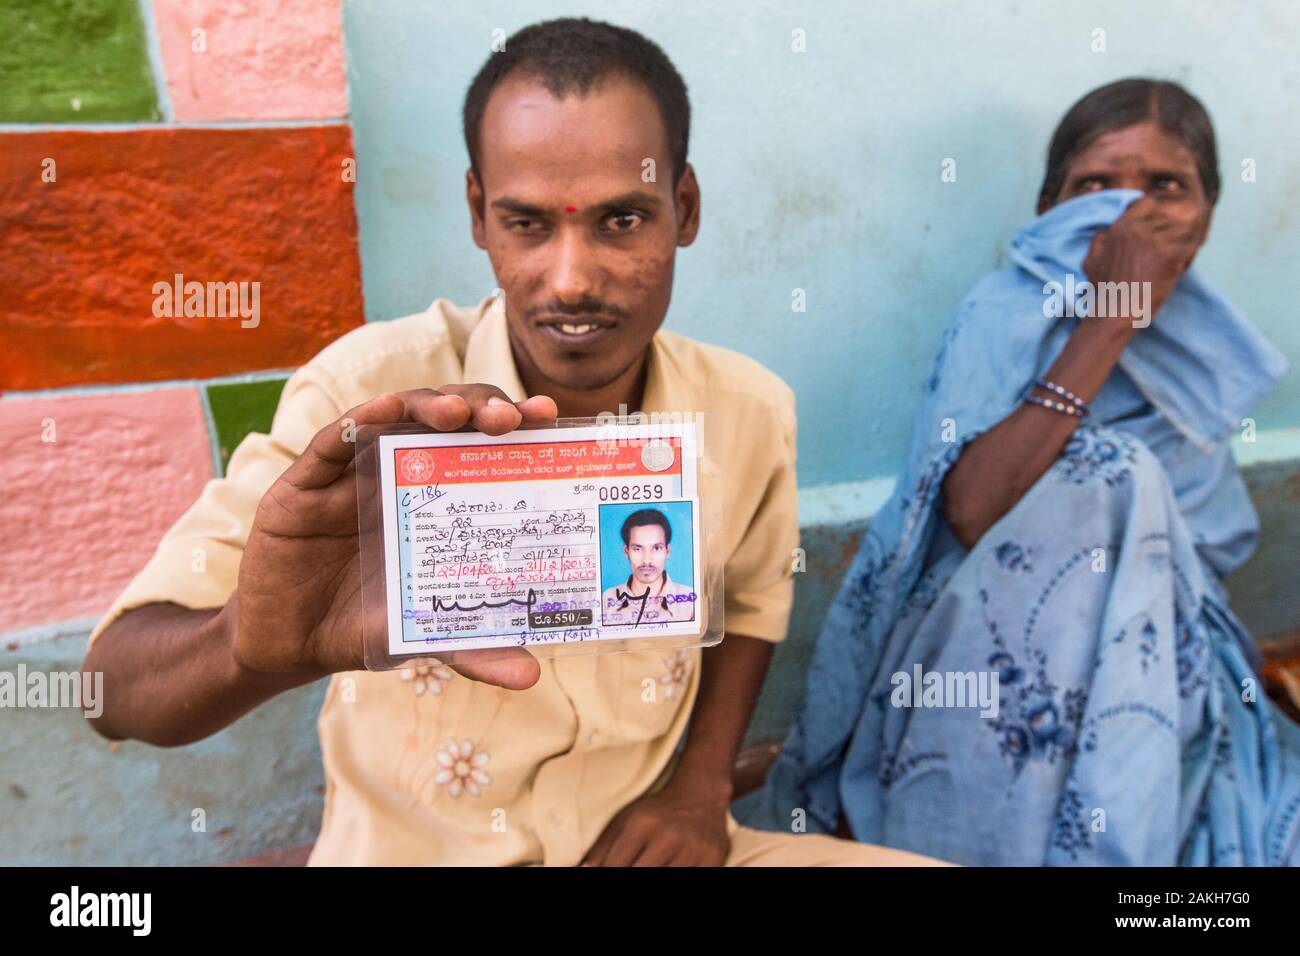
(1125, 103)
(571, 55)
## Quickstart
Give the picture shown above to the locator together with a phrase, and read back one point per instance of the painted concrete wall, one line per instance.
(140, 139)
(102, 378)
(821, 170)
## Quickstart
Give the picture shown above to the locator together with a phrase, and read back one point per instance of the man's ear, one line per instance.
(474, 196)
(687, 199)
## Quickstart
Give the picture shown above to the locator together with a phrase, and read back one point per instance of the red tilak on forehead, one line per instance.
(570, 208)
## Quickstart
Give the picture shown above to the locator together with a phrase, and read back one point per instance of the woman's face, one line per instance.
(1143, 157)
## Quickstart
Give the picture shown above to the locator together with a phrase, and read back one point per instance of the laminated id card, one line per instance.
(583, 536)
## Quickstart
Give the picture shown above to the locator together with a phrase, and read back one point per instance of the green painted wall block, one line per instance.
(242, 407)
(74, 61)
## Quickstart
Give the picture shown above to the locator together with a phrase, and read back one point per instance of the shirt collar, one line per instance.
(488, 357)
(658, 384)
(663, 587)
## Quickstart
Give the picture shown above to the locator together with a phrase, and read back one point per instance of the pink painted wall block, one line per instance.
(82, 514)
(259, 59)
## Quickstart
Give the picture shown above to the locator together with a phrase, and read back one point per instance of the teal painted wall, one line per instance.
(821, 170)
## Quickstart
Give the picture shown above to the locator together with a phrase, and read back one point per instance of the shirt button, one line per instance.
(555, 818)
(593, 736)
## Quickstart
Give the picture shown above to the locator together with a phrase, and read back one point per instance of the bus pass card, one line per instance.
(541, 536)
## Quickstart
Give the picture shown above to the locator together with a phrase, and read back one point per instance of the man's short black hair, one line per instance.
(572, 55)
(644, 518)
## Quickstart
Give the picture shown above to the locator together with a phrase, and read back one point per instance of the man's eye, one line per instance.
(1167, 184)
(1091, 185)
(524, 225)
(622, 222)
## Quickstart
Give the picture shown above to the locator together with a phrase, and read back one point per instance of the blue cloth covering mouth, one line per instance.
(1201, 362)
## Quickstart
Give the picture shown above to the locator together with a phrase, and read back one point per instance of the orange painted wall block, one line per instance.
(95, 228)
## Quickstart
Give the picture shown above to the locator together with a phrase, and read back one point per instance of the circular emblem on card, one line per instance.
(417, 467)
(657, 455)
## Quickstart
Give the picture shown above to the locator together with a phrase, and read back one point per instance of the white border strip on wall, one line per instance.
(851, 501)
(121, 387)
(153, 47)
(134, 127)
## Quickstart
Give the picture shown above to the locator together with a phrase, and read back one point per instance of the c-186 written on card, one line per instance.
(540, 537)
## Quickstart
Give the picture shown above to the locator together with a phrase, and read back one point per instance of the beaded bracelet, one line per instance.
(1072, 410)
(1064, 393)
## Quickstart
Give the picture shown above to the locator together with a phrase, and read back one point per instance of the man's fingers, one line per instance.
(538, 410)
(660, 850)
(331, 449)
(492, 412)
(484, 407)
(685, 856)
(440, 409)
(510, 667)
(626, 846)
(490, 409)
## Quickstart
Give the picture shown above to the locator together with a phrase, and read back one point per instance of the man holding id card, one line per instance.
(512, 759)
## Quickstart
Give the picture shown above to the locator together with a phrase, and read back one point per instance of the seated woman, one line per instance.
(1058, 539)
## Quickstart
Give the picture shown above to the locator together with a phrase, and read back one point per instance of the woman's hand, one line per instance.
(1149, 243)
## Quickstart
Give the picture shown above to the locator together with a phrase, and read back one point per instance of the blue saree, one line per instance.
(1130, 726)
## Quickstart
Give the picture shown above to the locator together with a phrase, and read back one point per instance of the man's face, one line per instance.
(581, 244)
(646, 552)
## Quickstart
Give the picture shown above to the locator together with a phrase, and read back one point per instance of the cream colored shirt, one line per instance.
(423, 766)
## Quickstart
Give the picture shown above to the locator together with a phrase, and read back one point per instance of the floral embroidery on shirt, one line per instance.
(1223, 752)
(924, 594)
(427, 677)
(1012, 557)
(1191, 653)
(1071, 832)
(1089, 454)
(1147, 641)
(894, 767)
(461, 768)
(1036, 719)
(679, 672)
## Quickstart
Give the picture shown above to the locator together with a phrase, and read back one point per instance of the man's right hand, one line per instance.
(297, 607)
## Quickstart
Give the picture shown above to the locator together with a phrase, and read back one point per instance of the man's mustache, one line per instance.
(582, 307)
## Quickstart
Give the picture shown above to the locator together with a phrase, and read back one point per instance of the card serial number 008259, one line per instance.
(541, 536)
